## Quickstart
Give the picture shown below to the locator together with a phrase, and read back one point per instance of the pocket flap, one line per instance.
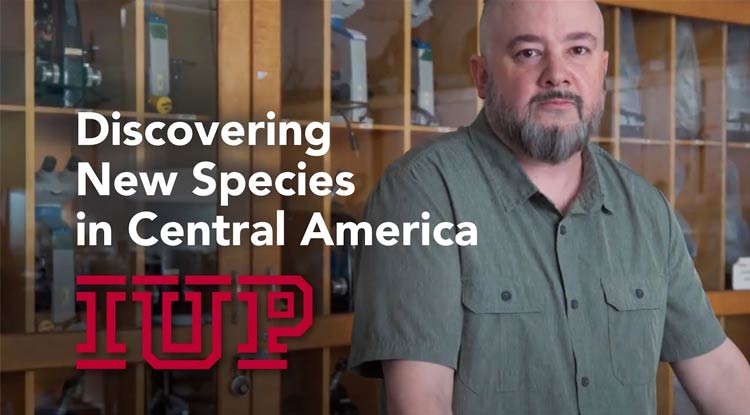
(635, 293)
(500, 296)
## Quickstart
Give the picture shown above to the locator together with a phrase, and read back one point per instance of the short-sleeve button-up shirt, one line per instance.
(547, 313)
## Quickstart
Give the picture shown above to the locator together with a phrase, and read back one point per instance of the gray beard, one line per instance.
(546, 144)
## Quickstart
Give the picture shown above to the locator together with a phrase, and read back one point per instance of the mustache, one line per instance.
(557, 94)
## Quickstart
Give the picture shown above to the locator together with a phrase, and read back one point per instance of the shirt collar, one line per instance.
(513, 185)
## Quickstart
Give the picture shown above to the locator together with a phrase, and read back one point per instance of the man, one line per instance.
(580, 282)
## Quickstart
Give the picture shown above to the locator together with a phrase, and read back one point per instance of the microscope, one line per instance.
(688, 93)
(70, 402)
(55, 261)
(63, 73)
(737, 231)
(341, 403)
(632, 120)
(158, 63)
(422, 76)
(349, 91)
(738, 83)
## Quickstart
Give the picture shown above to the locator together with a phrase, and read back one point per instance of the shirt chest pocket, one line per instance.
(501, 336)
(636, 309)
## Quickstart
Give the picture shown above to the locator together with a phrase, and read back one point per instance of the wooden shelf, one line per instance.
(74, 111)
(443, 129)
(647, 141)
(327, 331)
(12, 108)
(730, 11)
(738, 144)
(730, 303)
(432, 129)
(123, 113)
(291, 49)
(698, 143)
(354, 125)
(373, 127)
(58, 349)
(177, 117)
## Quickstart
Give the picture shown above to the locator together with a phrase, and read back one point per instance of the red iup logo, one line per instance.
(218, 298)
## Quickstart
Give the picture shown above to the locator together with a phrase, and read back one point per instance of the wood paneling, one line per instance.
(735, 11)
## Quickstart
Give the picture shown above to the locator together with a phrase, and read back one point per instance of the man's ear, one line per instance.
(479, 73)
(606, 63)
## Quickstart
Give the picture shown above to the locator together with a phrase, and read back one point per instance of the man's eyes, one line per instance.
(580, 50)
(533, 53)
(528, 53)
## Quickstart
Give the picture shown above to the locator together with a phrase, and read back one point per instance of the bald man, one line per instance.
(580, 282)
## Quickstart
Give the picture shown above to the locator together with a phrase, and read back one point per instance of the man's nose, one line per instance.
(555, 72)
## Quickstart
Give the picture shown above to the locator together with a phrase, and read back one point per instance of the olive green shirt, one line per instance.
(548, 313)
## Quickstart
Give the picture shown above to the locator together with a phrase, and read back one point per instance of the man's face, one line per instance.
(542, 75)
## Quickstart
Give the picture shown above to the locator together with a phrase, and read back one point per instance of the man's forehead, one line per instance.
(544, 18)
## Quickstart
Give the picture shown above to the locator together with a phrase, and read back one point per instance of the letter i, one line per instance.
(115, 129)
(81, 229)
(270, 129)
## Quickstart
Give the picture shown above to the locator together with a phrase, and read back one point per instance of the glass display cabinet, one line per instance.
(673, 113)
(125, 61)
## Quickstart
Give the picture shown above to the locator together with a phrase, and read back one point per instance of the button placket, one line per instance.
(567, 253)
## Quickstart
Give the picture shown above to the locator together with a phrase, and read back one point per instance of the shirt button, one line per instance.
(505, 295)
(584, 381)
(573, 304)
(639, 293)
(563, 230)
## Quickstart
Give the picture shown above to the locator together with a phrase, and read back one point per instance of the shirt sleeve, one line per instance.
(691, 327)
(407, 297)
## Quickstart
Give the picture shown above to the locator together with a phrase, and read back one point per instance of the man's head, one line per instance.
(541, 71)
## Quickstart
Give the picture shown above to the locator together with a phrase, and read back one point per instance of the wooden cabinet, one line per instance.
(658, 51)
(117, 38)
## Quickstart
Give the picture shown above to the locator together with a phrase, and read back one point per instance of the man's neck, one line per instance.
(560, 183)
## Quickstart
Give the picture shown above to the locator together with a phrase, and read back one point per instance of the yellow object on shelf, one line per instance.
(162, 104)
